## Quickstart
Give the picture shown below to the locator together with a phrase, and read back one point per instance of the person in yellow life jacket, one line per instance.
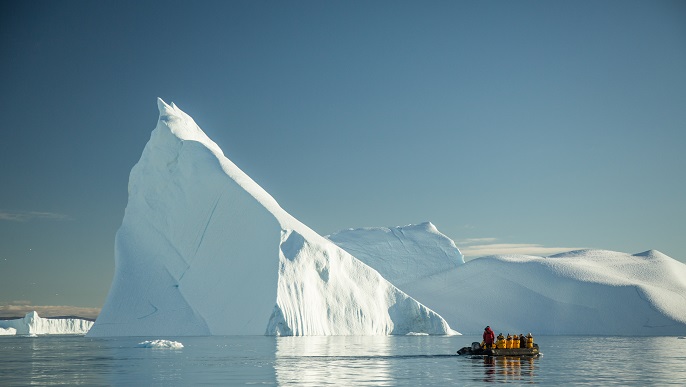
(529, 341)
(515, 341)
(500, 342)
(508, 341)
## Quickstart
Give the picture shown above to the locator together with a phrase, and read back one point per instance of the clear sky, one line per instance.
(513, 126)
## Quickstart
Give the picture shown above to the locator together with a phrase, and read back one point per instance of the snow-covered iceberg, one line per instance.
(33, 324)
(204, 250)
(401, 254)
(594, 292)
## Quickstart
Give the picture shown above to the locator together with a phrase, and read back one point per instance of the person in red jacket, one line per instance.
(489, 337)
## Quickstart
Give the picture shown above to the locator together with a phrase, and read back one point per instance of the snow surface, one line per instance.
(401, 254)
(588, 292)
(32, 325)
(204, 250)
(160, 344)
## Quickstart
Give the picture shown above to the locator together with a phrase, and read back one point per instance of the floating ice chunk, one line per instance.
(160, 344)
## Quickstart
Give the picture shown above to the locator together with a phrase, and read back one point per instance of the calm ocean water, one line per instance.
(345, 361)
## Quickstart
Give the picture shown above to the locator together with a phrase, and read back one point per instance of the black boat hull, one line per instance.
(500, 351)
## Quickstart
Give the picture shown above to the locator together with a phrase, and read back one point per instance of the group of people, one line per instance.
(512, 341)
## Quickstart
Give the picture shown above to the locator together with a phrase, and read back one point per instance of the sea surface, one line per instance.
(337, 361)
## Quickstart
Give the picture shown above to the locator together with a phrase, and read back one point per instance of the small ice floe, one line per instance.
(161, 344)
(416, 334)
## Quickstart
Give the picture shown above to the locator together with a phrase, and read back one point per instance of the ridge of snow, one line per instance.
(184, 128)
(33, 324)
(204, 250)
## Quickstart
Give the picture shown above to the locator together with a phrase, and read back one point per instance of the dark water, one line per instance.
(346, 361)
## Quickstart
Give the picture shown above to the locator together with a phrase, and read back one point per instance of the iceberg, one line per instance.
(7, 331)
(204, 250)
(32, 324)
(585, 292)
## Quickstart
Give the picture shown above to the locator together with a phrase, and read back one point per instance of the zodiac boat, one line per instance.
(477, 350)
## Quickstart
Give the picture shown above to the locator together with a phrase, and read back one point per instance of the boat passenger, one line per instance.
(489, 337)
(500, 342)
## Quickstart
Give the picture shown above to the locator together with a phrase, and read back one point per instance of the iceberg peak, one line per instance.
(163, 107)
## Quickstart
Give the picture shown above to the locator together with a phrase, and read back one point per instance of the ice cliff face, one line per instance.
(204, 250)
(401, 254)
(320, 283)
(32, 324)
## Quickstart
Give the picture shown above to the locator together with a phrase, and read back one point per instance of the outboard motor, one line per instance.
(476, 346)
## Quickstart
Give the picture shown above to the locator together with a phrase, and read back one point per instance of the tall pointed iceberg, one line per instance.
(204, 250)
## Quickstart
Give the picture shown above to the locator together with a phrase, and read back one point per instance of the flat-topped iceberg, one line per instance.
(204, 250)
(588, 292)
(32, 324)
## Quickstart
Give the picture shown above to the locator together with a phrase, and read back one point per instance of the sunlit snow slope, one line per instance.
(589, 292)
(204, 250)
(32, 324)
(593, 292)
(401, 254)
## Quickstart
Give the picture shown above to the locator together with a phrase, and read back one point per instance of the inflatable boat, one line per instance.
(477, 350)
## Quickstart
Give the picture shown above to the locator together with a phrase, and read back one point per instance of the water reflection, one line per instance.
(211, 360)
(505, 369)
(306, 361)
(48, 360)
(317, 361)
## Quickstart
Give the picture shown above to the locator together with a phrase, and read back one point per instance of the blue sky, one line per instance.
(527, 126)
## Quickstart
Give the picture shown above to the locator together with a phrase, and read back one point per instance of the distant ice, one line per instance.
(7, 331)
(32, 324)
